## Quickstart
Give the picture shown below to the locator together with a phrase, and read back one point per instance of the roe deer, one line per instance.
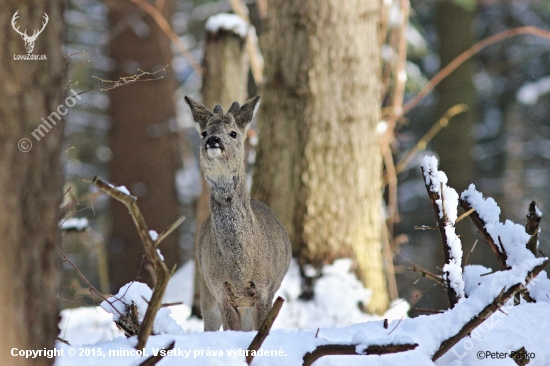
(243, 251)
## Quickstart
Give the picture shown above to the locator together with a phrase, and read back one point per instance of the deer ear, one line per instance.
(200, 113)
(245, 115)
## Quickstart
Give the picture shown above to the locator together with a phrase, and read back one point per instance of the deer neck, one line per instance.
(232, 217)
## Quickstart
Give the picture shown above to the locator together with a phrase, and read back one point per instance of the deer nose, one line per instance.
(214, 142)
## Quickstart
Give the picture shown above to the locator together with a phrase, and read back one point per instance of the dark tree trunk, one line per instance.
(143, 139)
(455, 143)
(30, 182)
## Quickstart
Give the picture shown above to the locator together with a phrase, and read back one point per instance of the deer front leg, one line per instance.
(230, 317)
(210, 309)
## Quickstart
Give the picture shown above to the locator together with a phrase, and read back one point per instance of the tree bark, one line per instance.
(143, 139)
(30, 182)
(319, 163)
(225, 76)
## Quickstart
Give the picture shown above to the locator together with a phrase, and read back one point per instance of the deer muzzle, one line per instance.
(214, 146)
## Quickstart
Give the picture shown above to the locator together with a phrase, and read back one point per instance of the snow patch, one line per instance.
(139, 294)
(529, 93)
(230, 22)
(74, 223)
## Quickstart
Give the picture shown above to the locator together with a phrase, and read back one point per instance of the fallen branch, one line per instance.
(263, 332)
(162, 272)
(498, 302)
(500, 253)
(351, 349)
(151, 361)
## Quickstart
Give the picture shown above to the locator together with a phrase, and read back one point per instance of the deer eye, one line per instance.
(204, 134)
(233, 134)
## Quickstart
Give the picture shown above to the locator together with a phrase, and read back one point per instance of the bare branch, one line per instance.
(162, 272)
(167, 29)
(480, 225)
(423, 142)
(469, 53)
(432, 276)
(124, 80)
(151, 361)
(442, 222)
(351, 349)
(264, 329)
(169, 230)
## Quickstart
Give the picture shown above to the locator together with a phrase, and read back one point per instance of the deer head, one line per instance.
(29, 40)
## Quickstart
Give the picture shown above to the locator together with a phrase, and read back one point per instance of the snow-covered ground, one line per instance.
(93, 334)
(333, 317)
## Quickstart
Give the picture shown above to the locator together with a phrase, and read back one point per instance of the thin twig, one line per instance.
(92, 288)
(432, 276)
(400, 75)
(480, 225)
(464, 215)
(169, 31)
(469, 53)
(423, 310)
(63, 340)
(171, 304)
(399, 322)
(168, 231)
(252, 47)
(124, 80)
(470, 252)
(428, 136)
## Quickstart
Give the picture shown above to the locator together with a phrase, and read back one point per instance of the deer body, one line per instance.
(243, 251)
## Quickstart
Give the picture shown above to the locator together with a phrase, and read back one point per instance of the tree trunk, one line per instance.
(455, 143)
(319, 163)
(30, 182)
(143, 139)
(225, 76)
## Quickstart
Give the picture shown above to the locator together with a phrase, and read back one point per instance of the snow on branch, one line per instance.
(351, 349)
(163, 273)
(532, 227)
(444, 201)
(511, 237)
(505, 294)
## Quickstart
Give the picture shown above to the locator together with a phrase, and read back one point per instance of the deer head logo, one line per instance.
(29, 40)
